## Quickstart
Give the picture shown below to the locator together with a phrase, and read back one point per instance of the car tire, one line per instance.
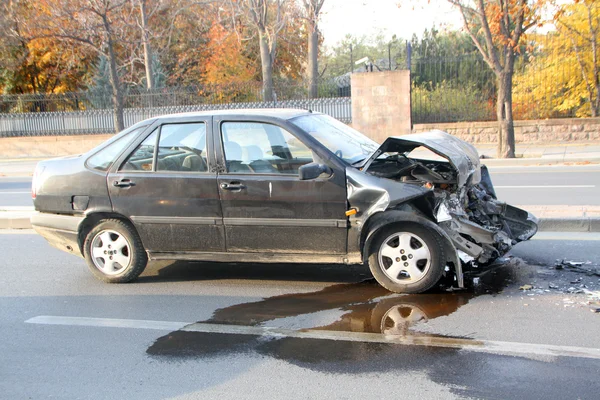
(114, 252)
(407, 258)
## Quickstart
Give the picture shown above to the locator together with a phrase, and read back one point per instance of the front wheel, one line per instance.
(407, 258)
(114, 252)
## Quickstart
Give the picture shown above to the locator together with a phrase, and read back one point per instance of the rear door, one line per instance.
(266, 207)
(166, 187)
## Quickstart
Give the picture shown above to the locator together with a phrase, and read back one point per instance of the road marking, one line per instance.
(574, 236)
(546, 187)
(107, 322)
(480, 346)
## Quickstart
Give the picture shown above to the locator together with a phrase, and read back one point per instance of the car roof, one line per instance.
(281, 113)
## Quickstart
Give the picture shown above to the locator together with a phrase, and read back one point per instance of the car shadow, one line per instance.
(176, 271)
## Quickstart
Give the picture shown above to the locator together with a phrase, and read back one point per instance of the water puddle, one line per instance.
(363, 307)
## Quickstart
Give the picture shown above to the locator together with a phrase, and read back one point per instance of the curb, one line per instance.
(21, 220)
(517, 162)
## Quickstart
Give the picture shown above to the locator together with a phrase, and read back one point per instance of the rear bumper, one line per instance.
(61, 231)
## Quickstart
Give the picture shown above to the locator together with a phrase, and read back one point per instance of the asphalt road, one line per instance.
(15, 191)
(554, 185)
(66, 335)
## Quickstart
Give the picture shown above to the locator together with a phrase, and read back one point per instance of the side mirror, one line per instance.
(313, 171)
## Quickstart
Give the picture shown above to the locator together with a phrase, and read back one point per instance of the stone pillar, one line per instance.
(381, 104)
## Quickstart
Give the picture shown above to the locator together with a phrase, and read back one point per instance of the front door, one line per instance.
(266, 208)
(166, 188)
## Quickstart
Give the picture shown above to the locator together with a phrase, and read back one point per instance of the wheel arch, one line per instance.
(92, 220)
(392, 217)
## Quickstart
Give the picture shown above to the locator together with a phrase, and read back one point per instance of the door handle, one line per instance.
(233, 186)
(124, 183)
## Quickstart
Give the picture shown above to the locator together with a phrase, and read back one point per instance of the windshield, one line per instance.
(345, 142)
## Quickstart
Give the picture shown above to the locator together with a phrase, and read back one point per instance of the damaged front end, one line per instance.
(459, 198)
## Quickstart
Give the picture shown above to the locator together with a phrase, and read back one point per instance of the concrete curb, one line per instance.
(21, 220)
(520, 162)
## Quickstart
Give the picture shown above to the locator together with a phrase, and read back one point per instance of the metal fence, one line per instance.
(463, 88)
(94, 99)
(101, 121)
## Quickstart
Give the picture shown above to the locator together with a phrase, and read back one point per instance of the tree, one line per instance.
(497, 28)
(313, 9)
(267, 18)
(36, 66)
(101, 25)
(143, 24)
(578, 27)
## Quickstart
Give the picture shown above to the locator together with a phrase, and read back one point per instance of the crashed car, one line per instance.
(278, 186)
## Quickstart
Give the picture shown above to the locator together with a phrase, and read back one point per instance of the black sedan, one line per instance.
(277, 186)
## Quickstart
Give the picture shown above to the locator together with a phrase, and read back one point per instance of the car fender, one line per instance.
(379, 220)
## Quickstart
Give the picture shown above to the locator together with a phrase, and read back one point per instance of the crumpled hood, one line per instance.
(461, 155)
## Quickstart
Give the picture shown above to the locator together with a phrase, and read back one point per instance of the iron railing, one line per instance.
(101, 121)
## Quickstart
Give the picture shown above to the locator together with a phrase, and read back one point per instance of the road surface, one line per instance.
(234, 331)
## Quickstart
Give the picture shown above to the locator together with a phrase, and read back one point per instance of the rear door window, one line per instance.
(182, 147)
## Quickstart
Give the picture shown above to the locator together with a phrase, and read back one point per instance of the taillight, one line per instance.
(34, 185)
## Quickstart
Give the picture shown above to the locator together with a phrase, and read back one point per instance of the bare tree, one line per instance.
(267, 18)
(101, 25)
(496, 28)
(146, 44)
(313, 9)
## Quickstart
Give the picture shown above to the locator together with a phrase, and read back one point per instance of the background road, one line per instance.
(554, 185)
(152, 358)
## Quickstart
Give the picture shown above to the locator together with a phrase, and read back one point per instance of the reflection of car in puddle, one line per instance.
(361, 307)
(365, 307)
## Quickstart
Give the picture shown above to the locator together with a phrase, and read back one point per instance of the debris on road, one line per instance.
(577, 266)
(526, 287)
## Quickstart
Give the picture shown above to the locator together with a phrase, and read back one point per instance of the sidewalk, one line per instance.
(551, 218)
(543, 154)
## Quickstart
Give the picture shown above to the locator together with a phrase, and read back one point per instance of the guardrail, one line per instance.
(101, 121)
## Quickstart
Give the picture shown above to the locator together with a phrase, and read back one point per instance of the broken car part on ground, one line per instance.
(280, 186)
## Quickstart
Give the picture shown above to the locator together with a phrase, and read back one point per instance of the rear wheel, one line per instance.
(407, 258)
(114, 252)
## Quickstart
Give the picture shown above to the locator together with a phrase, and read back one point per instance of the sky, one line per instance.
(371, 17)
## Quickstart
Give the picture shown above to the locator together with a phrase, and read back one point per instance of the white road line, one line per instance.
(546, 187)
(107, 322)
(481, 346)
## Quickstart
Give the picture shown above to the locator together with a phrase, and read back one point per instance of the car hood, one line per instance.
(461, 155)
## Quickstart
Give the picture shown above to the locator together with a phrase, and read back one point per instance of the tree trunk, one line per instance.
(267, 68)
(313, 63)
(504, 115)
(509, 125)
(117, 93)
(147, 46)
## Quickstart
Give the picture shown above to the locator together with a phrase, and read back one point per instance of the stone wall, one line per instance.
(537, 131)
(381, 103)
(48, 146)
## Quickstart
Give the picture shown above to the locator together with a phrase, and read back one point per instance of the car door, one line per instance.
(266, 207)
(165, 186)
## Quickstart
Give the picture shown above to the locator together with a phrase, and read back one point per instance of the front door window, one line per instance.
(260, 148)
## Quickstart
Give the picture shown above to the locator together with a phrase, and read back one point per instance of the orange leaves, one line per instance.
(226, 61)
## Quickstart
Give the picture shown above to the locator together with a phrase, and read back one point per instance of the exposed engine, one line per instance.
(481, 227)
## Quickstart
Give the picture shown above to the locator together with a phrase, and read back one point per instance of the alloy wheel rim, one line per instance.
(398, 319)
(111, 252)
(404, 258)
